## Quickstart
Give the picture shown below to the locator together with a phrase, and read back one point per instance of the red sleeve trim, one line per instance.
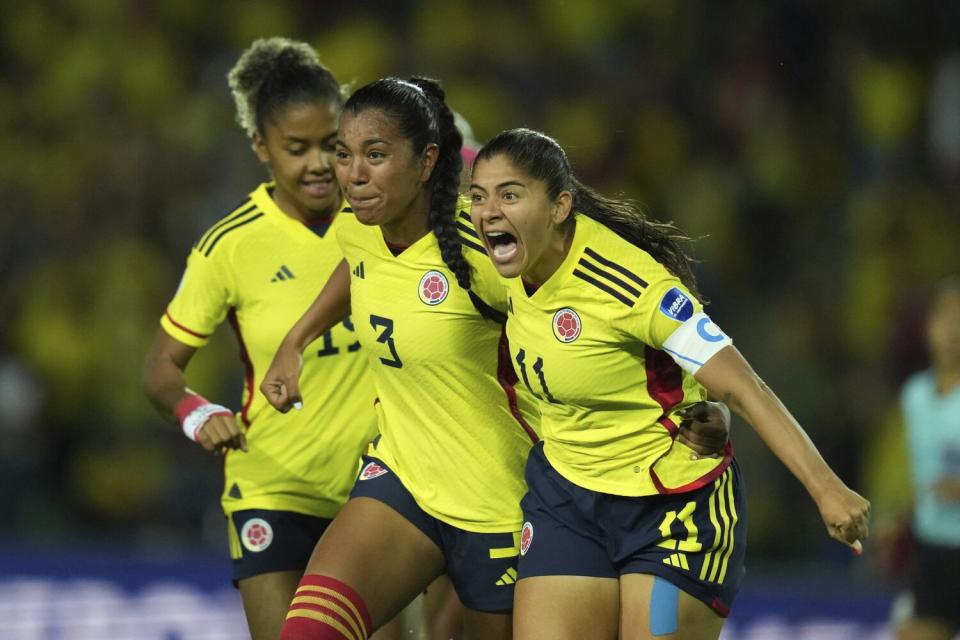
(183, 328)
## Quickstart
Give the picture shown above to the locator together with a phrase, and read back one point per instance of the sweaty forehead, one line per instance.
(369, 124)
(497, 170)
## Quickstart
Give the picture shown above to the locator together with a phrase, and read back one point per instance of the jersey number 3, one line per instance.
(386, 337)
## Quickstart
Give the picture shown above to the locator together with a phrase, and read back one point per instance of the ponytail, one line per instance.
(445, 183)
(662, 240)
(421, 114)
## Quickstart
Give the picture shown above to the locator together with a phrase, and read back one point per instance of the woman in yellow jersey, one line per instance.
(285, 476)
(625, 535)
(440, 489)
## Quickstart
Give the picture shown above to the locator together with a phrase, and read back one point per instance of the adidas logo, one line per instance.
(508, 577)
(359, 270)
(283, 274)
(678, 560)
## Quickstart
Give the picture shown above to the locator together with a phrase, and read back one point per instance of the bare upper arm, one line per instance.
(727, 377)
(168, 350)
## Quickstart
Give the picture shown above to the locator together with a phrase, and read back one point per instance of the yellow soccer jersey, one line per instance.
(588, 344)
(261, 269)
(446, 411)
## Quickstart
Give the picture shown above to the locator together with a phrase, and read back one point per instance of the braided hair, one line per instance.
(275, 72)
(543, 159)
(422, 116)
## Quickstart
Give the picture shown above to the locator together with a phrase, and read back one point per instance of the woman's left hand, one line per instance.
(705, 428)
(847, 516)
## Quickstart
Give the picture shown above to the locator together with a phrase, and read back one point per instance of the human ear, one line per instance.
(562, 206)
(429, 159)
(259, 146)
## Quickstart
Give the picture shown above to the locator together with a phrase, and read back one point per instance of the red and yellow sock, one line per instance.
(326, 609)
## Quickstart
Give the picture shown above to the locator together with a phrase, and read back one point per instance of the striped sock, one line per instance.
(326, 609)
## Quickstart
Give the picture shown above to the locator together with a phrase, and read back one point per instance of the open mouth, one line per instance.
(502, 244)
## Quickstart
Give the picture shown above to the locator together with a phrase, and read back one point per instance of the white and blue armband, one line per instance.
(695, 341)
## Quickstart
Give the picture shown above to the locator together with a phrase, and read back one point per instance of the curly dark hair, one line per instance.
(275, 72)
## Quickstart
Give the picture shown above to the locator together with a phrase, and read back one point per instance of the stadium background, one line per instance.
(813, 147)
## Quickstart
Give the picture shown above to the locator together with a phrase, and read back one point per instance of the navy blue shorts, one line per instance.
(935, 583)
(263, 541)
(694, 540)
(481, 566)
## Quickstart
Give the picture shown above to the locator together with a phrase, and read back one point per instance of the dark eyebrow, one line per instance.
(367, 143)
(299, 140)
(508, 183)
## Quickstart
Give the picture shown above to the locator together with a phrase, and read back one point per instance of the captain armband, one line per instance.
(695, 341)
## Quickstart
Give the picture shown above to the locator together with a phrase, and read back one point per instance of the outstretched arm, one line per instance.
(281, 384)
(729, 377)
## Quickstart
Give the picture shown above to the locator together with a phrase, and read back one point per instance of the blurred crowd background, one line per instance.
(812, 147)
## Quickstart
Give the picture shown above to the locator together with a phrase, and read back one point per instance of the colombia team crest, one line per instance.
(256, 534)
(371, 471)
(566, 325)
(526, 538)
(433, 288)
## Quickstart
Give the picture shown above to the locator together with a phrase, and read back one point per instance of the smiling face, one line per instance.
(297, 146)
(517, 219)
(382, 176)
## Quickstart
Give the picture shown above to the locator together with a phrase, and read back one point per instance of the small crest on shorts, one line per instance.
(566, 325)
(433, 288)
(256, 534)
(526, 538)
(372, 470)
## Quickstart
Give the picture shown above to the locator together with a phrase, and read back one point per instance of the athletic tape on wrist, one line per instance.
(194, 411)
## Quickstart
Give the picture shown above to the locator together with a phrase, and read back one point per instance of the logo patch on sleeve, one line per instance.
(677, 305)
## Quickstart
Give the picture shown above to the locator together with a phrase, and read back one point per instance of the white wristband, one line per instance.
(199, 416)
